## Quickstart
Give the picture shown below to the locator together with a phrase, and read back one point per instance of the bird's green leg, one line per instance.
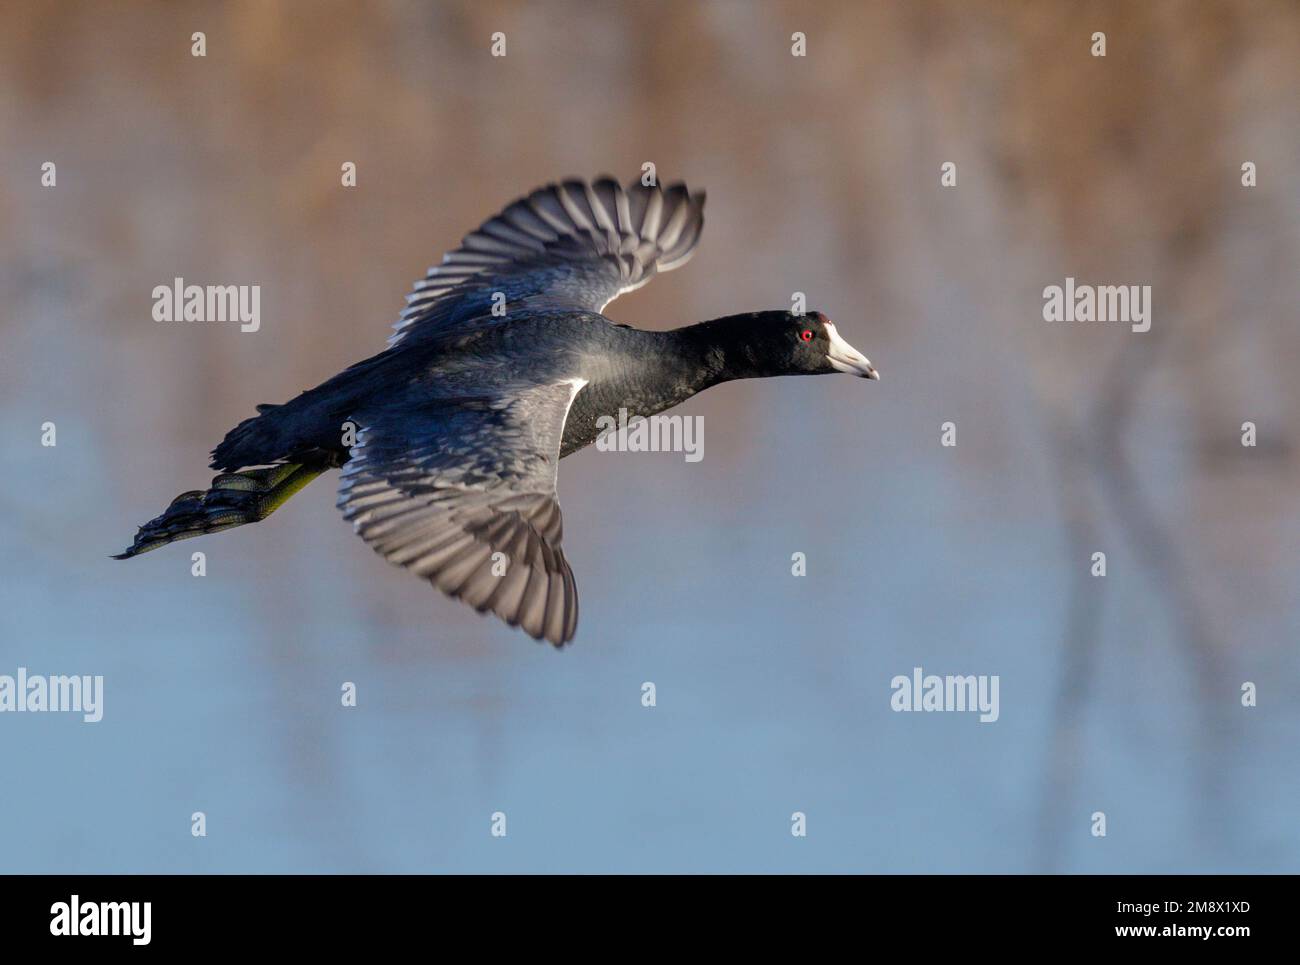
(271, 487)
(285, 484)
(236, 498)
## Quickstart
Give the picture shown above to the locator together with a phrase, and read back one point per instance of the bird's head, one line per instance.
(783, 343)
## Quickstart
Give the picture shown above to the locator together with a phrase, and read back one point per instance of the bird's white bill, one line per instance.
(846, 358)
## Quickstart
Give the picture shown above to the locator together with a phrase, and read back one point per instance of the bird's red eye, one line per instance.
(806, 335)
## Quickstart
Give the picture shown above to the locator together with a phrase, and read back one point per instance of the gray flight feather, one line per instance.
(442, 487)
(570, 245)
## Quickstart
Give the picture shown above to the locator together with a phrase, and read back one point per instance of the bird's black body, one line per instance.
(642, 372)
(501, 365)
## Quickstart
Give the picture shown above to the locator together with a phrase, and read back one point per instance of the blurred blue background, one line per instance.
(1119, 695)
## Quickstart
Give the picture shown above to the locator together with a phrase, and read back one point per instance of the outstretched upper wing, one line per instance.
(442, 487)
(570, 245)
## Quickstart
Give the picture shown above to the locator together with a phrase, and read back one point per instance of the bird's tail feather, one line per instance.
(235, 498)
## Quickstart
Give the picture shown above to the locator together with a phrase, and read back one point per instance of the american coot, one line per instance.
(499, 367)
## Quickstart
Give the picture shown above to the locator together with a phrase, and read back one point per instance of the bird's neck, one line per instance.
(655, 370)
(722, 349)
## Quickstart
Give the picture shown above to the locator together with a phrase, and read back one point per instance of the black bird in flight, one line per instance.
(449, 439)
